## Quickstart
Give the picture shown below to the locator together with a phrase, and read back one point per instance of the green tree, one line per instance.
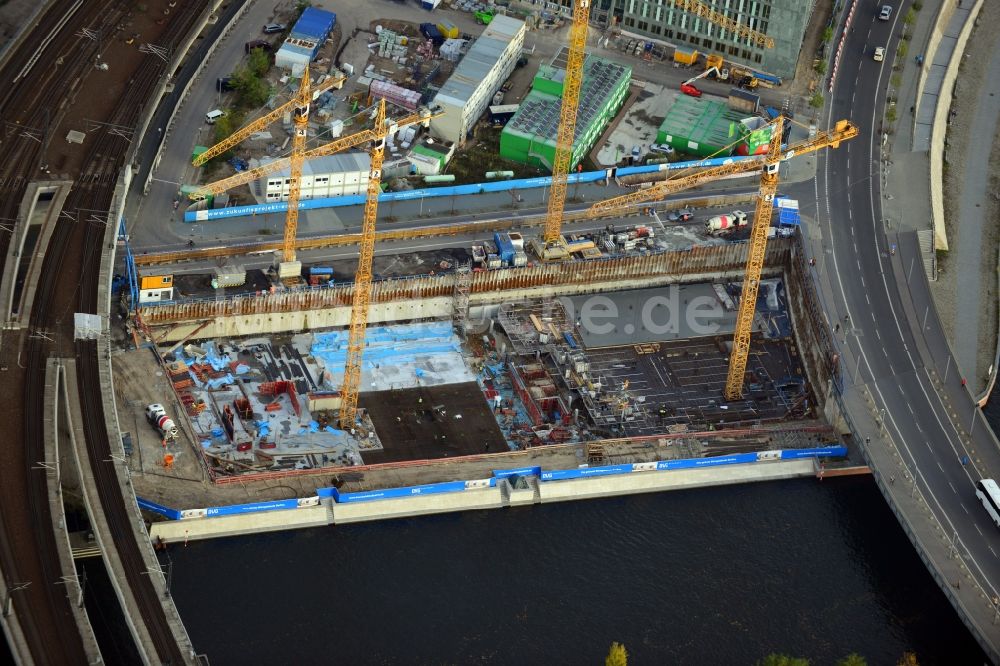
(908, 659)
(775, 659)
(903, 49)
(259, 62)
(252, 90)
(617, 655)
(827, 34)
(225, 126)
(816, 101)
(890, 114)
(853, 659)
(820, 67)
(896, 80)
(910, 16)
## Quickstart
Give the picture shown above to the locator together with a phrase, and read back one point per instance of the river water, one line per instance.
(716, 575)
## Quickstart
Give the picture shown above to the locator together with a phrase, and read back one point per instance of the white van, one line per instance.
(213, 115)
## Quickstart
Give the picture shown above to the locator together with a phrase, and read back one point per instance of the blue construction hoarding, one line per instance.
(520, 471)
(406, 491)
(253, 507)
(832, 451)
(586, 472)
(172, 514)
(453, 190)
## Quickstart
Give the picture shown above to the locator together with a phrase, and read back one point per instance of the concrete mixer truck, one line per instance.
(724, 224)
(157, 417)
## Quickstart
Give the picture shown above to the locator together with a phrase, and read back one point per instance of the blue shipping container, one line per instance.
(505, 248)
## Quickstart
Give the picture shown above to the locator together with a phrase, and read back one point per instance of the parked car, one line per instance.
(256, 44)
(689, 89)
(272, 28)
(682, 215)
(885, 13)
(661, 148)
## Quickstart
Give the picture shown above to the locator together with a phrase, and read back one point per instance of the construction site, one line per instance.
(674, 337)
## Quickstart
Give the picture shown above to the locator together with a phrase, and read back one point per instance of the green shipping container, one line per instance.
(701, 127)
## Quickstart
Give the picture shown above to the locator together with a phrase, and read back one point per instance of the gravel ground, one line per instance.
(981, 44)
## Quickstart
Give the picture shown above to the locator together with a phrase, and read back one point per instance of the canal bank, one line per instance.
(507, 488)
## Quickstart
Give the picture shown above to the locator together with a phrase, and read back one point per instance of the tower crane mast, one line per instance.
(567, 125)
(363, 278)
(301, 128)
(755, 265)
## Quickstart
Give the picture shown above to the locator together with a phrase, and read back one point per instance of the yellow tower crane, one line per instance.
(693, 177)
(250, 175)
(554, 247)
(243, 133)
(289, 267)
(363, 278)
(707, 12)
(842, 131)
(755, 264)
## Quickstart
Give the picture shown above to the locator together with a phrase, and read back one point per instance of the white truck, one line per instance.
(724, 224)
(157, 417)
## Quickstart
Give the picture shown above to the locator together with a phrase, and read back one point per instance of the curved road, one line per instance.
(881, 356)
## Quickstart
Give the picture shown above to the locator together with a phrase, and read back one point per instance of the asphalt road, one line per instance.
(886, 304)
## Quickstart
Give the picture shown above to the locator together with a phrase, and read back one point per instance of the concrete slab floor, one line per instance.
(431, 422)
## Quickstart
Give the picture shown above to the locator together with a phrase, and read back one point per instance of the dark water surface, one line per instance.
(710, 576)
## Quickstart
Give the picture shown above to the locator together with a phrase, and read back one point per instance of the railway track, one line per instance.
(68, 284)
(28, 551)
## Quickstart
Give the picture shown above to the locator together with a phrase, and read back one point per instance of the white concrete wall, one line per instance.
(939, 131)
(651, 482)
(417, 505)
(175, 531)
(522, 497)
(486, 498)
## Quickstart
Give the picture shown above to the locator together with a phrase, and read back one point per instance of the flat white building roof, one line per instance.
(479, 61)
(341, 163)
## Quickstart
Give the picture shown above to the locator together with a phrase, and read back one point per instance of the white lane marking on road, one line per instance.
(952, 488)
(940, 514)
(938, 463)
(862, 280)
(876, 330)
(978, 530)
(966, 510)
(871, 195)
(867, 300)
(909, 407)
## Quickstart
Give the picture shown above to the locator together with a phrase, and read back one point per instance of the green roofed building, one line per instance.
(701, 127)
(530, 136)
